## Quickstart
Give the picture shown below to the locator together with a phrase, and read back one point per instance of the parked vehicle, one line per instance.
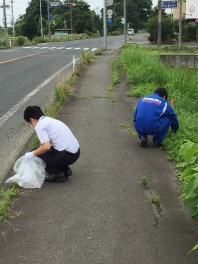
(130, 32)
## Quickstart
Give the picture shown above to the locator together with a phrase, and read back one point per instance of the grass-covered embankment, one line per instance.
(145, 73)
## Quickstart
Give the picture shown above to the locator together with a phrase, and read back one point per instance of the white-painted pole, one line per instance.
(105, 25)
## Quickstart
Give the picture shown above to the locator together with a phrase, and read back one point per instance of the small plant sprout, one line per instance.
(155, 199)
(123, 125)
(144, 182)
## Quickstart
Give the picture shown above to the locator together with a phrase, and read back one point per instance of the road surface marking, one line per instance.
(19, 58)
(15, 108)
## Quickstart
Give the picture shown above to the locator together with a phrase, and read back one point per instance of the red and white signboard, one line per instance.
(191, 9)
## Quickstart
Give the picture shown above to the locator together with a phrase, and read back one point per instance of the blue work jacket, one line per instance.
(151, 112)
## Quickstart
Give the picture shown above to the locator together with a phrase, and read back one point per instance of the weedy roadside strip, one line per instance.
(63, 91)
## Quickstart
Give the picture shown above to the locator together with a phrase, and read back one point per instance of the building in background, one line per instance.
(175, 11)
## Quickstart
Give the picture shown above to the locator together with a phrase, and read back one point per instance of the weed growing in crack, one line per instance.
(155, 199)
(145, 182)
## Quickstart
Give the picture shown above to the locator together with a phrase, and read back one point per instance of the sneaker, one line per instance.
(143, 142)
(54, 177)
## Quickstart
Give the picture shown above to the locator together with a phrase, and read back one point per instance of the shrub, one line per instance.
(20, 40)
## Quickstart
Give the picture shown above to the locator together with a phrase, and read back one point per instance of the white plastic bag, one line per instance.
(30, 173)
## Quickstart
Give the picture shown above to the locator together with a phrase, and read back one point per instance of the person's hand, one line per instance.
(172, 102)
(28, 155)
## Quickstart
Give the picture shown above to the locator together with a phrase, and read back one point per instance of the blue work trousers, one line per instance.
(158, 134)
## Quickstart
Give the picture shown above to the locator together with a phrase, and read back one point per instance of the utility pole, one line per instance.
(12, 23)
(5, 22)
(180, 23)
(41, 19)
(105, 25)
(125, 21)
(71, 18)
(159, 35)
(48, 20)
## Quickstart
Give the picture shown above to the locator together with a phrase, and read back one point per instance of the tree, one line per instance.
(29, 24)
(83, 19)
(168, 27)
(78, 13)
(138, 12)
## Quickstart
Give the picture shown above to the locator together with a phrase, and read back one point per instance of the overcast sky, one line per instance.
(19, 7)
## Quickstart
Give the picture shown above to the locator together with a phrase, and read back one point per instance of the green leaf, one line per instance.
(188, 151)
(191, 187)
(190, 201)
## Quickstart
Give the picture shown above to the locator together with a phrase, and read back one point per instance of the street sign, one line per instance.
(7, 6)
(51, 16)
(109, 20)
(54, 4)
(109, 13)
(109, 2)
(191, 9)
(123, 20)
(169, 4)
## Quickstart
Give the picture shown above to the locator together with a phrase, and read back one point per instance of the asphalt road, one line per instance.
(102, 214)
(28, 76)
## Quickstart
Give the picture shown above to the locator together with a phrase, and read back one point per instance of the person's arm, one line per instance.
(42, 149)
(173, 116)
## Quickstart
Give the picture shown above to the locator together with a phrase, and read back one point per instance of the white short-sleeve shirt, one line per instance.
(59, 135)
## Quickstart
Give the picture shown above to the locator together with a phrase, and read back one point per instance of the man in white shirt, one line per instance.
(59, 148)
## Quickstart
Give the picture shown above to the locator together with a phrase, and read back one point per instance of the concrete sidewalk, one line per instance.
(102, 214)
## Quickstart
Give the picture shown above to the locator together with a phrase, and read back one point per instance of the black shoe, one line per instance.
(54, 177)
(143, 142)
(68, 173)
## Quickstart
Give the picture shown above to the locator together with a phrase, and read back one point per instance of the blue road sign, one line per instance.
(109, 20)
(169, 4)
(51, 16)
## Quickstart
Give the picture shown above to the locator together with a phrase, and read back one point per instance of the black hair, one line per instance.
(162, 92)
(32, 112)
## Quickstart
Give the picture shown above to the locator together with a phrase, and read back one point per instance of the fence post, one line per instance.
(74, 61)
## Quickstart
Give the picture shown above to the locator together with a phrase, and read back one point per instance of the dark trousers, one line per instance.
(58, 161)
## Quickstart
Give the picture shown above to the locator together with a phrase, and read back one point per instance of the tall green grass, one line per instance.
(145, 72)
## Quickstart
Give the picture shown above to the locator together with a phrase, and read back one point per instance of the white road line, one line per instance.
(86, 49)
(15, 108)
(77, 48)
(52, 48)
(60, 48)
(69, 48)
(94, 49)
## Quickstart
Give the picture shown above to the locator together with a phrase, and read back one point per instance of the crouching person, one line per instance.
(154, 116)
(59, 148)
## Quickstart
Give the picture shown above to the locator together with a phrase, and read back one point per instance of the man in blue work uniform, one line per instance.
(58, 149)
(153, 116)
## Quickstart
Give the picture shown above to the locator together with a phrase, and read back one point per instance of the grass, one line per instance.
(145, 72)
(155, 199)
(6, 197)
(130, 130)
(145, 182)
